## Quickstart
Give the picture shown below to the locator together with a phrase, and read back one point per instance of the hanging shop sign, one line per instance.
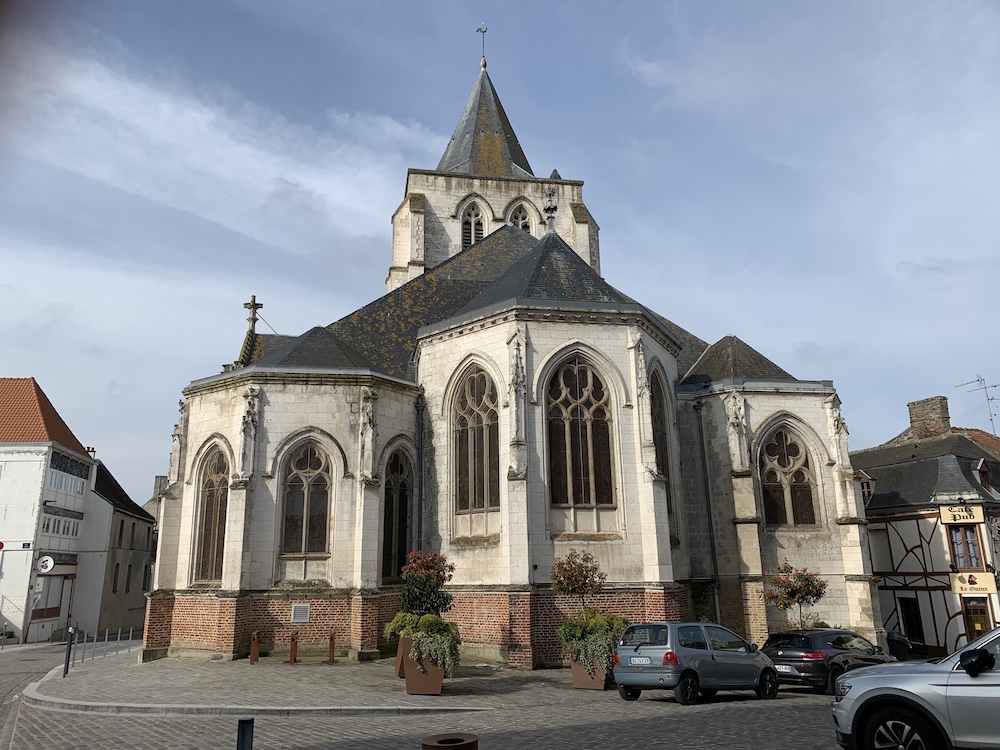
(973, 583)
(961, 513)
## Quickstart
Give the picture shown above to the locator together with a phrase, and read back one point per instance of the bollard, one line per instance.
(118, 643)
(294, 649)
(254, 646)
(69, 648)
(129, 641)
(244, 734)
(105, 642)
(452, 739)
(333, 645)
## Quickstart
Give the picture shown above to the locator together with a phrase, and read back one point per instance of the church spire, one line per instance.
(484, 144)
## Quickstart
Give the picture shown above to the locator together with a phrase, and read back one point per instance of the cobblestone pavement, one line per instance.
(19, 666)
(518, 709)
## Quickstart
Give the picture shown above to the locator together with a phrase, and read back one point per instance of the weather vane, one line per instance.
(482, 30)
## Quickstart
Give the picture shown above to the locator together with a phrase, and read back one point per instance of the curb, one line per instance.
(32, 697)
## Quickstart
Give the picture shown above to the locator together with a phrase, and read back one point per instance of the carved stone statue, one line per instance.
(736, 430)
(248, 448)
(369, 431)
(518, 389)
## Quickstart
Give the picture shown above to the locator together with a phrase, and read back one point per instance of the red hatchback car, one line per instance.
(817, 658)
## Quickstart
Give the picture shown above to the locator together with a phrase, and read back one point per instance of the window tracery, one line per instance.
(395, 530)
(787, 481)
(214, 501)
(477, 443)
(306, 501)
(472, 225)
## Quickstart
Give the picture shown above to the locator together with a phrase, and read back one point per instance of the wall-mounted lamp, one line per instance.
(48, 502)
(990, 568)
(953, 567)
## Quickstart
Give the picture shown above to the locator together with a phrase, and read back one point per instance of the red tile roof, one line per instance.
(27, 416)
(985, 439)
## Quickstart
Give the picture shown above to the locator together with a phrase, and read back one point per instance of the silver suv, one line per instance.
(691, 658)
(923, 705)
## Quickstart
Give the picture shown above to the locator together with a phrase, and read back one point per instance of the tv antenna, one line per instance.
(980, 385)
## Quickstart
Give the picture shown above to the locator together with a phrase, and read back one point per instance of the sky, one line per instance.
(819, 179)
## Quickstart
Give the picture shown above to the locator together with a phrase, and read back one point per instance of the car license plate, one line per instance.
(783, 667)
(640, 660)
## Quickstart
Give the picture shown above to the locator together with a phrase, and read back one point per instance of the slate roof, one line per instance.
(27, 416)
(551, 271)
(107, 487)
(732, 359)
(913, 474)
(257, 345)
(692, 347)
(484, 143)
(317, 347)
(384, 332)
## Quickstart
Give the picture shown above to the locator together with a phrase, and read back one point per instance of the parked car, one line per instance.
(947, 703)
(691, 658)
(817, 657)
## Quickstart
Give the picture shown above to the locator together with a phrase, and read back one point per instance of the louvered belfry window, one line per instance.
(477, 443)
(212, 533)
(579, 437)
(519, 218)
(786, 481)
(472, 225)
(306, 496)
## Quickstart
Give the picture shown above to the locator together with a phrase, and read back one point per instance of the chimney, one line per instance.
(929, 417)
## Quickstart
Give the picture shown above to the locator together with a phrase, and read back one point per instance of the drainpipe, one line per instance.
(698, 406)
(420, 405)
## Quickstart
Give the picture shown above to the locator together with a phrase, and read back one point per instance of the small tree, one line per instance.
(424, 577)
(577, 574)
(793, 586)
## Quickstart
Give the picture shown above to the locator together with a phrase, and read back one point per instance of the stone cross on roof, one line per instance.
(253, 306)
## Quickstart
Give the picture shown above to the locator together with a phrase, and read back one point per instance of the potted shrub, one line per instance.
(590, 637)
(428, 646)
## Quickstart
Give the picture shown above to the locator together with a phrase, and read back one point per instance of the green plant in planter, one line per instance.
(591, 638)
(437, 641)
(423, 600)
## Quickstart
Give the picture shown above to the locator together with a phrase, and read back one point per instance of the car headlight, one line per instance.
(842, 688)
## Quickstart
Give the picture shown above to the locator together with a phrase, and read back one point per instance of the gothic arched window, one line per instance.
(212, 527)
(306, 500)
(396, 515)
(658, 417)
(579, 437)
(472, 225)
(519, 218)
(786, 481)
(477, 443)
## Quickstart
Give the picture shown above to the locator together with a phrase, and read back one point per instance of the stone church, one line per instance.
(502, 404)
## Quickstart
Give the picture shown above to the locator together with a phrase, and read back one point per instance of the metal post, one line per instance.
(83, 654)
(244, 734)
(76, 640)
(105, 641)
(69, 648)
(129, 641)
(294, 647)
(333, 645)
(118, 643)
(254, 646)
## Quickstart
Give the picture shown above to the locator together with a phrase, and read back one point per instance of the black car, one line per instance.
(817, 658)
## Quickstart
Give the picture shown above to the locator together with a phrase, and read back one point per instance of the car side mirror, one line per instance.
(976, 661)
(753, 647)
(878, 650)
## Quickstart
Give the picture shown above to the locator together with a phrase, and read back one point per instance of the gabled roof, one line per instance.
(732, 359)
(384, 332)
(317, 347)
(551, 271)
(259, 345)
(27, 416)
(484, 143)
(913, 474)
(107, 487)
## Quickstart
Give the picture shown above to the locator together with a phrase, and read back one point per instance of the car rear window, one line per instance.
(645, 635)
(787, 640)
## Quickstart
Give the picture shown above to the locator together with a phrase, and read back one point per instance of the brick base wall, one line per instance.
(518, 626)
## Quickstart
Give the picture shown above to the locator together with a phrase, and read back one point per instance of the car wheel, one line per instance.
(708, 693)
(629, 693)
(901, 728)
(831, 680)
(767, 686)
(686, 691)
